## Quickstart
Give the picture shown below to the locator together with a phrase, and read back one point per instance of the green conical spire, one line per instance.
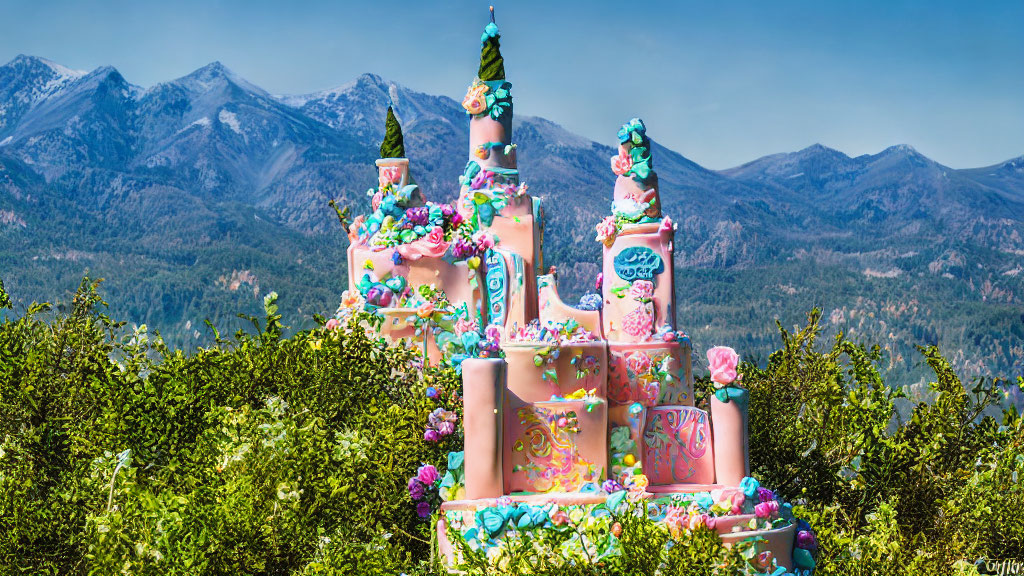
(393, 145)
(492, 65)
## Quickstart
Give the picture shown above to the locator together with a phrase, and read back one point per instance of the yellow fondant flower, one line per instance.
(475, 102)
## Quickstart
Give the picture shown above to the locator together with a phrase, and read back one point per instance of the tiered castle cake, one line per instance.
(570, 412)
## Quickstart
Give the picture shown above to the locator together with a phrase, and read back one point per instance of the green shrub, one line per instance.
(887, 493)
(259, 455)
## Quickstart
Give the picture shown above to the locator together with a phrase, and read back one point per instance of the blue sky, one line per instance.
(722, 83)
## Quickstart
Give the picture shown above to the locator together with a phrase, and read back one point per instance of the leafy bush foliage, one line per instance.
(269, 455)
(259, 455)
(914, 491)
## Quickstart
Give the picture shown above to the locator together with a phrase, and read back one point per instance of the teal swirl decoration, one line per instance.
(497, 291)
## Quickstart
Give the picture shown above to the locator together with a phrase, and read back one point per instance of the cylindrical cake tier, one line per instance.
(732, 452)
(400, 168)
(639, 299)
(483, 390)
(488, 136)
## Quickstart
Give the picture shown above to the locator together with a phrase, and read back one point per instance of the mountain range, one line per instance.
(197, 196)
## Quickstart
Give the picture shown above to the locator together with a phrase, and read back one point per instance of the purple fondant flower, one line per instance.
(611, 486)
(446, 428)
(416, 489)
(463, 248)
(765, 494)
(423, 509)
(431, 435)
(418, 216)
(805, 539)
(484, 178)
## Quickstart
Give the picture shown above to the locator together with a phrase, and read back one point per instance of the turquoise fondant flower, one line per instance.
(749, 486)
(704, 500)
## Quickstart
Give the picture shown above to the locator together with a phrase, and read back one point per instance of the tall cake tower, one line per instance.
(491, 195)
(572, 414)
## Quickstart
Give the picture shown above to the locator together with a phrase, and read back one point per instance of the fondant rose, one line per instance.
(462, 326)
(622, 163)
(427, 474)
(425, 310)
(332, 324)
(416, 489)
(433, 245)
(389, 175)
(483, 240)
(423, 509)
(380, 296)
(642, 290)
(606, 231)
(475, 102)
(737, 503)
(723, 361)
(638, 363)
(675, 517)
(375, 201)
(698, 520)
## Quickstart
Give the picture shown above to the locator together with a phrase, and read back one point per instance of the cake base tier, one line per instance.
(459, 518)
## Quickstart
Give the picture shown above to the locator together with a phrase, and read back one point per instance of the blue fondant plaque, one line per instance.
(638, 263)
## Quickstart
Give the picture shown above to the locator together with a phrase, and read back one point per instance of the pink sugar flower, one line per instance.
(723, 361)
(622, 163)
(427, 474)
